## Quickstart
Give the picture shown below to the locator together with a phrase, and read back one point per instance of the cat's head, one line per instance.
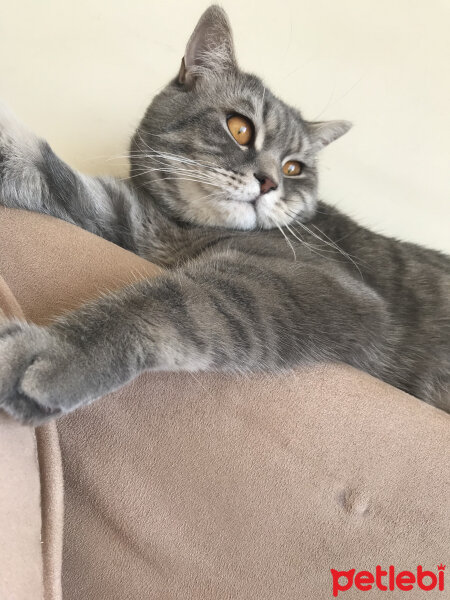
(217, 148)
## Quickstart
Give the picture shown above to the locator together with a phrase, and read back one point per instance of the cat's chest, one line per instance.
(164, 253)
(170, 246)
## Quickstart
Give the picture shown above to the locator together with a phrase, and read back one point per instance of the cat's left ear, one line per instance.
(322, 133)
(210, 48)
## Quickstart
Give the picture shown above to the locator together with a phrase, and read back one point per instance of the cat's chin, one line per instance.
(234, 214)
(231, 214)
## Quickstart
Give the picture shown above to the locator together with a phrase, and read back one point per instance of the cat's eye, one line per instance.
(292, 167)
(241, 129)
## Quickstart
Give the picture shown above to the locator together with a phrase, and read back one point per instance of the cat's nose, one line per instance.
(266, 184)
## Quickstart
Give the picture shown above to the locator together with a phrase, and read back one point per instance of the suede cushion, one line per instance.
(203, 486)
(21, 569)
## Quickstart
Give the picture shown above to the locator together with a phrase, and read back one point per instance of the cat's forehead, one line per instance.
(277, 125)
(281, 126)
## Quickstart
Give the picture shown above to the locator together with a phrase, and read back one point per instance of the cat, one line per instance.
(260, 275)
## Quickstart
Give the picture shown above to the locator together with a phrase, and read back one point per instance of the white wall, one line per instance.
(81, 73)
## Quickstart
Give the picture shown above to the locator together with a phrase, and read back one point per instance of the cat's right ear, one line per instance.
(210, 48)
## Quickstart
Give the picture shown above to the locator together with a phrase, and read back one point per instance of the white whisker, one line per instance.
(286, 238)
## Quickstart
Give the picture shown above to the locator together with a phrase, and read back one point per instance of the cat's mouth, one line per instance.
(251, 202)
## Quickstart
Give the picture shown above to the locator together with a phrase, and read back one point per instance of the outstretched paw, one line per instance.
(34, 366)
(16, 141)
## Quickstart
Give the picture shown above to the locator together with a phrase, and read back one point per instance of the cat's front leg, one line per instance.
(46, 372)
(34, 178)
(227, 313)
(49, 371)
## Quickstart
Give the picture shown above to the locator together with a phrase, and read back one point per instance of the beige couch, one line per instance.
(208, 487)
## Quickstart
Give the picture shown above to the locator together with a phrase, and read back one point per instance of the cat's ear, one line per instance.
(322, 133)
(210, 48)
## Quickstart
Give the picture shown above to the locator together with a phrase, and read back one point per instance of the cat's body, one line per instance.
(253, 282)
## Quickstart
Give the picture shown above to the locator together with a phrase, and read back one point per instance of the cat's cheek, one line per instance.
(212, 210)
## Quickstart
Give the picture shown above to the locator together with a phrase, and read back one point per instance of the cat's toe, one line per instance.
(8, 328)
(28, 411)
(21, 346)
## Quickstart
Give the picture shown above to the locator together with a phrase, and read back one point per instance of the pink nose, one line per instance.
(266, 184)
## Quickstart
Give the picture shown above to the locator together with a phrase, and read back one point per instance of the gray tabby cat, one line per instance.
(223, 181)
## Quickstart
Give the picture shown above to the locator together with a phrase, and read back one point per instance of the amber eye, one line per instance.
(241, 129)
(292, 167)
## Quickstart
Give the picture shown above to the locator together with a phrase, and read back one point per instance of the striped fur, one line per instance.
(253, 281)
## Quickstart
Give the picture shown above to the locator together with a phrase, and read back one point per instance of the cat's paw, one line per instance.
(35, 367)
(18, 145)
